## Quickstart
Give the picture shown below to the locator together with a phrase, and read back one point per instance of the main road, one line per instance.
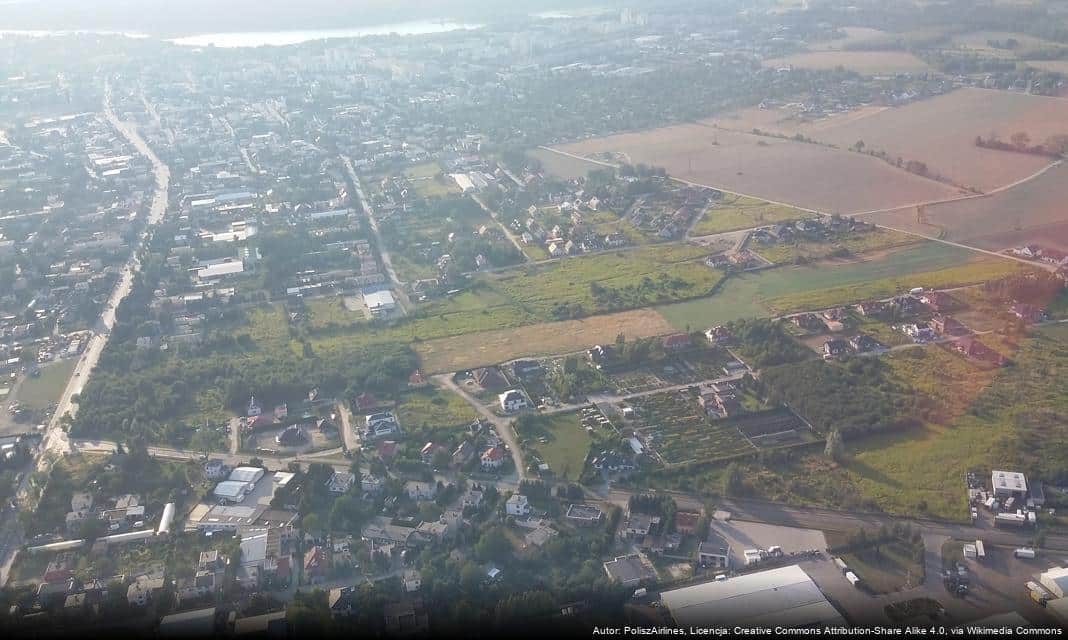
(55, 441)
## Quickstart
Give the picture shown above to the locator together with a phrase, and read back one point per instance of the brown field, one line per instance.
(804, 175)
(864, 62)
(491, 347)
(940, 131)
(976, 42)
(1034, 212)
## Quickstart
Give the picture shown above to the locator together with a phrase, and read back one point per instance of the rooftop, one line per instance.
(779, 597)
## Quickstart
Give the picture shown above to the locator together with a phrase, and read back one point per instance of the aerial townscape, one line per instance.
(469, 319)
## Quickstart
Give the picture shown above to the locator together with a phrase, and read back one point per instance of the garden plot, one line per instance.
(692, 367)
(677, 430)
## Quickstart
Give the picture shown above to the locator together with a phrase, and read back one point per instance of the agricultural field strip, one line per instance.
(821, 213)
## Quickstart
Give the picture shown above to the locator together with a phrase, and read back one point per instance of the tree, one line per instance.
(732, 480)
(1020, 139)
(835, 449)
(92, 529)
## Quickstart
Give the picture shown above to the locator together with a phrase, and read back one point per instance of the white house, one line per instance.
(340, 482)
(513, 400)
(420, 490)
(517, 505)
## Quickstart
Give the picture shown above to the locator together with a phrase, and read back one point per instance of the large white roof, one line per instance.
(246, 474)
(231, 490)
(379, 299)
(778, 597)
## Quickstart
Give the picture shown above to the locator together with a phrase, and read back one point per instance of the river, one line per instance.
(237, 39)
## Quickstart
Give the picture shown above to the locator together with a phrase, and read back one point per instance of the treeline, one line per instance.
(1053, 147)
(855, 396)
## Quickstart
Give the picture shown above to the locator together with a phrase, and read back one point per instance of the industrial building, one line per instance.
(1055, 580)
(379, 302)
(1009, 484)
(778, 597)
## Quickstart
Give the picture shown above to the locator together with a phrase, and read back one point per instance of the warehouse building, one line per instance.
(785, 597)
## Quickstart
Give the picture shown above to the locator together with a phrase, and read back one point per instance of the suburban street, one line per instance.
(398, 286)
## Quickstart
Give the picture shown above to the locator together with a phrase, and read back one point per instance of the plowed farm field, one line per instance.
(805, 175)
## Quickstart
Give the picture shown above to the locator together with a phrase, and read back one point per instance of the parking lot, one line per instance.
(755, 535)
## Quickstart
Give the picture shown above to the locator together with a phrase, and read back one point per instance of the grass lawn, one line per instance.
(817, 286)
(432, 408)
(324, 312)
(740, 212)
(424, 178)
(42, 392)
(560, 440)
(892, 567)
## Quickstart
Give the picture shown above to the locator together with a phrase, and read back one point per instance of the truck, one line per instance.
(853, 579)
(915, 291)
(841, 565)
(1026, 553)
(1038, 593)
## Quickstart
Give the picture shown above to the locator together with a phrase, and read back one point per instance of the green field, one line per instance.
(424, 178)
(427, 410)
(817, 286)
(559, 440)
(43, 391)
(740, 212)
(534, 294)
(847, 243)
(321, 313)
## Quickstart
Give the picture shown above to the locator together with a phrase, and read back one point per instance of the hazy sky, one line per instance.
(181, 17)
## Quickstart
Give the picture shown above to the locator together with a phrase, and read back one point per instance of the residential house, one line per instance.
(340, 482)
(718, 335)
(417, 490)
(413, 580)
(517, 505)
(341, 602)
(714, 551)
(316, 565)
(638, 525)
(472, 498)
(512, 401)
(630, 571)
(143, 589)
(862, 343)
(1029, 313)
(584, 515)
(676, 342)
(835, 348)
(371, 484)
(493, 458)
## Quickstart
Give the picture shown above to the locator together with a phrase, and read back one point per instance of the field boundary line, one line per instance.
(881, 226)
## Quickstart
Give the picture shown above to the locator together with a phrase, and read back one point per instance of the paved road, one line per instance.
(501, 424)
(387, 262)
(507, 232)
